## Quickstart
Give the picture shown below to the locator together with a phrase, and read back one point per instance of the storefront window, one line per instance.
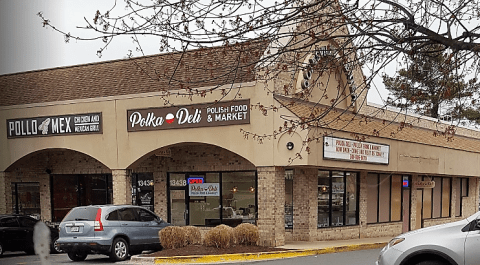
(288, 198)
(323, 198)
(205, 210)
(238, 197)
(26, 198)
(338, 194)
(437, 200)
(70, 191)
(210, 199)
(337, 198)
(384, 198)
(461, 188)
(142, 190)
(351, 203)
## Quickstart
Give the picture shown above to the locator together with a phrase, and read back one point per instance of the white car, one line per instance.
(456, 243)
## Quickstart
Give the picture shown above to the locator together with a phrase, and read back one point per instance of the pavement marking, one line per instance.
(206, 259)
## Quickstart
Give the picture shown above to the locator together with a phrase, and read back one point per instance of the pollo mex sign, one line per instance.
(55, 125)
(190, 116)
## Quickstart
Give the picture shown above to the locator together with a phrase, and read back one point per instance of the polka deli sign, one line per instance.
(190, 116)
(355, 151)
(55, 125)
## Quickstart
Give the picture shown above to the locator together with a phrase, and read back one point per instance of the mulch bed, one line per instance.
(193, 250)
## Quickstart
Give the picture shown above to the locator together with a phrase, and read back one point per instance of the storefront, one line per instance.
(212, 198)
(142, 190)
(26, 198)
(68, 191)
(195, 160)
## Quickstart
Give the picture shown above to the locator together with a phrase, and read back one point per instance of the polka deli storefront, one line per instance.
(106, 133)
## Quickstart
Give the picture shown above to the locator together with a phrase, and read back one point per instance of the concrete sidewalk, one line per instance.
(337, 243)
(292, 250)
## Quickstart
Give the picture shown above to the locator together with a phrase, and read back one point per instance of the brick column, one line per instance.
(3, 193)
(363, 206)
(45, 197)
(414, 203)
(122, 186)
(271, 203)
(160, 191)
(305, 209)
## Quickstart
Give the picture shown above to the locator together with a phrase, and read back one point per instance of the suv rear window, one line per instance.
(81, 214)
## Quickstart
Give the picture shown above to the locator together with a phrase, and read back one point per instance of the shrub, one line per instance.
(192, 235)
(246, 234)
(172, 237)
(220, 236)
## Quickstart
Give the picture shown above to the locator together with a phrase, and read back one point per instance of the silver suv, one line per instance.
(113, 230)
(456, 243)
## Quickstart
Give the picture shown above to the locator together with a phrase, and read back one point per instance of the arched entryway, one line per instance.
(197, 184)
(49, 182)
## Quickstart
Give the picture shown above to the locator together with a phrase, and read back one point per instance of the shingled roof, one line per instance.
(360, 125)
(192, 69)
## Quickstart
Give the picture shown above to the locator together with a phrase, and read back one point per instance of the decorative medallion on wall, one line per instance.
(324, 53)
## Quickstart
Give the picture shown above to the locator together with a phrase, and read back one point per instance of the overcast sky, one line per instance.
(26, 45)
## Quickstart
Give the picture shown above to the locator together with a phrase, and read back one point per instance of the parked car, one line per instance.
(456, 243)
(16, 234)
(113, 230)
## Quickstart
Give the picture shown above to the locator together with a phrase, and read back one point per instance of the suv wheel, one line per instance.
(75, 256)
(54, 248)
(1, 249)
(119, 250)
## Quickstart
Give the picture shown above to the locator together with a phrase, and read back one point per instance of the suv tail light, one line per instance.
(98, 226)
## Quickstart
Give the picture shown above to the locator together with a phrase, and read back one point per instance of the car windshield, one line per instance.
(81, 214)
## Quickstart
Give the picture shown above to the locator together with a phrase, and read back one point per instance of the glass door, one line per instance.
(178, 208)
(143, 190)
(194, 199)
(177, 188)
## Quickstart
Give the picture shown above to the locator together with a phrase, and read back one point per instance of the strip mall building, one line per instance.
(110, 133)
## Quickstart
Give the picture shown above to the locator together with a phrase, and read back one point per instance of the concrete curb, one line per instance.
(208, 259)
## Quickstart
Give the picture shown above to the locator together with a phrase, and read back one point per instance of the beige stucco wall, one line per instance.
(133, 145)
(406, 157)
(118, 149)
(100, 146)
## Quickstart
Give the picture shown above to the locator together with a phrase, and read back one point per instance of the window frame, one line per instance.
(344, 205)
(439, 180)
(187, 174)
(462, 192)
(390, 198)
(18, 205)
(289, 177)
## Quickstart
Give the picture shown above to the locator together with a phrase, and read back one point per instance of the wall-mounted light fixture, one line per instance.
(290, 146)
